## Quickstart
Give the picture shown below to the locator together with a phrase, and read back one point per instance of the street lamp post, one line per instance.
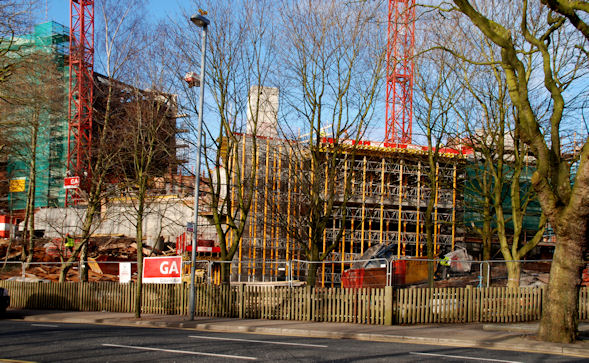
(201, 22)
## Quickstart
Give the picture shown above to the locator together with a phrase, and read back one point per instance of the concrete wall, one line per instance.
(167, 218)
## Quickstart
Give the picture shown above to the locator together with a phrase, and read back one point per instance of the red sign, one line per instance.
(71, 182)
(162, 270)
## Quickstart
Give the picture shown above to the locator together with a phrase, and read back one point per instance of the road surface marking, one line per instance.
(260, 341)
(46, 325)
(180, 351)
(461, 357)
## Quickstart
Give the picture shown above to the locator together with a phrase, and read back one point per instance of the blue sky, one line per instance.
(59, 10)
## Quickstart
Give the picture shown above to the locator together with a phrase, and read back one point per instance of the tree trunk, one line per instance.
(31, 208)
(560, 314)
(487, 240)
(312, 274)
(513, 273)
(84, 262)
(65, 267)
(226, 272)
(23, 242)
(313, 265)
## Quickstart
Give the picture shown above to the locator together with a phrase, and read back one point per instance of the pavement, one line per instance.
(508, 336)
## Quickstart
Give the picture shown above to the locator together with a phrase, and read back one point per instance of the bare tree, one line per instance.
(31, 99)
(437, 94)
(239, 59)
(148, 152)
(332, 64)
(503, 166)
(549, 49)
(15, 20)
(118, 27)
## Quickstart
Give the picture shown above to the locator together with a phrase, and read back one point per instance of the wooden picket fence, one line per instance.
(96, 296)
(364, 306)
(468, 305)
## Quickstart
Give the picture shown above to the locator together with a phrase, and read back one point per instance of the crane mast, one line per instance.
(80, 95)
(399, 76)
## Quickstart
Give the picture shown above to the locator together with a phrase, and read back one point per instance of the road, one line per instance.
(49, 342)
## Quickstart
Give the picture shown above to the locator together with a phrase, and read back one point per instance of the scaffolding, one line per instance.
(51, 38)
(387, 204)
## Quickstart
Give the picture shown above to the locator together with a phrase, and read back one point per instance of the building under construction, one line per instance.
(388, 193)
(377, 195)
(52, 148)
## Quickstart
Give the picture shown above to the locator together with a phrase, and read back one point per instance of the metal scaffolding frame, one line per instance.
(389, 197)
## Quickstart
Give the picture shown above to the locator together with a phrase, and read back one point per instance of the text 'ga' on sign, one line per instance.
(162, 270)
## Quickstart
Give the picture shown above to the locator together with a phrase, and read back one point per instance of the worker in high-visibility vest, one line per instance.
(445, 261)
(443, 270)
(69, 242)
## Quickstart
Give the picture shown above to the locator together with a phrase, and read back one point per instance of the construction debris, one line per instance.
(104, 253)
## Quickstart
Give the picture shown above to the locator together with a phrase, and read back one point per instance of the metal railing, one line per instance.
(293, 272)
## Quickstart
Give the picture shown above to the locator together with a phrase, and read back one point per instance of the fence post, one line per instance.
(308, 303)
(388, 305)
(209, 272)
(240, 299)
(22, 268)
(81, 294)
(469, 303)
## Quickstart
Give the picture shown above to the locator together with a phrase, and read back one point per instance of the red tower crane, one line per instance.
(81, 70)
(399, 77)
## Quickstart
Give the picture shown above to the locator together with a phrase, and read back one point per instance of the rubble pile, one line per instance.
(104, 253)
(531, 275)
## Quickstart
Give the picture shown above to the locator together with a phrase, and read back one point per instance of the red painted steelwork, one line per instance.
(399, 93)
(81, 70)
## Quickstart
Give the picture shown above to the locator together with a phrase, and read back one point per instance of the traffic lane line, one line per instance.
(46, 325)
(259, 341)
(464, 357)
(180, 351)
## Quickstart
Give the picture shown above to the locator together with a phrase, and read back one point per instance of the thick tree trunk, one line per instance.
(312, 274)
(560, 314)
(513, 273)
(313, 265)
(225, 272)
(226, 255)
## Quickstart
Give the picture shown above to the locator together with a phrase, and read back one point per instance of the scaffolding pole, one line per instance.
(288, 207)
(454, 208)
(436, 210)
(242, 198)
(382, 176)
(418, 226)
(324, 229)
(255, 217)
(400, 208)
(265, 234)
(278, 173)
(363, 204)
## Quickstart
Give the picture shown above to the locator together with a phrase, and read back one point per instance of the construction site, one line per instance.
(389, 190)
(387, 201)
